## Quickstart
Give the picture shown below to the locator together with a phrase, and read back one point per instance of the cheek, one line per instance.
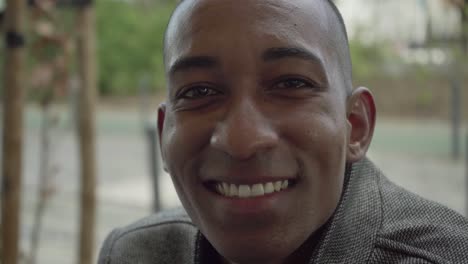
(177, 145)
(183, 141)
(319, 140)
(320, 134)
(330, 139)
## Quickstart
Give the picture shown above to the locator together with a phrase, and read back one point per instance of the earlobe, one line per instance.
(160, 121)
(361, 114)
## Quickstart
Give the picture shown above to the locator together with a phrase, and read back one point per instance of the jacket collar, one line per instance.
(353, 229)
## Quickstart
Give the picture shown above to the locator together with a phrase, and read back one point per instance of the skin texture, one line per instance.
(260, 92)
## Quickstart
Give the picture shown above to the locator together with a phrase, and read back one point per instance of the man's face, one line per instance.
(255, 103)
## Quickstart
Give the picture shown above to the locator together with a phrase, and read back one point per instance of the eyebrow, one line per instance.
(272, 54)
(187, 63)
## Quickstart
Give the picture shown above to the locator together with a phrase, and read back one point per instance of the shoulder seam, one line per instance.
(155, 225)
(377, 183)
(381, 205)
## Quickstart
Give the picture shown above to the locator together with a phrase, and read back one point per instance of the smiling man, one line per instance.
(265, 140)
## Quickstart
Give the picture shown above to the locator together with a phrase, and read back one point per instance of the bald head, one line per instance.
(339, 19)
(337, 37)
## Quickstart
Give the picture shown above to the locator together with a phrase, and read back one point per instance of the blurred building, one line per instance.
(419, 31)
(404, 21)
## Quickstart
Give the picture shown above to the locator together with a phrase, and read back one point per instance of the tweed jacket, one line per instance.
(375, 222)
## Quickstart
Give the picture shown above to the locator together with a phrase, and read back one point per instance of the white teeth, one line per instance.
(225, 191)
(284, 185)
(233, 190)
(269, 188)
(257, 190)
(278, 185)
(246, 191)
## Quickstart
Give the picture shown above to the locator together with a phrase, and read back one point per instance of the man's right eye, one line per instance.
(196, 92)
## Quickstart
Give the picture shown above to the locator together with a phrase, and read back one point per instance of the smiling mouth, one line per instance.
(247, 191)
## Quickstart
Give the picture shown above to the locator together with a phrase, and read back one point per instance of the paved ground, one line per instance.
(412, 153)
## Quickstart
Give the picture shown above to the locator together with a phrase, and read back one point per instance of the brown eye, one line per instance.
(199, 92)
(292, 84)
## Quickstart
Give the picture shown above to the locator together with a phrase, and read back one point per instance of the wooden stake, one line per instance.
(12, 129)
(86, 128)
(466, 174)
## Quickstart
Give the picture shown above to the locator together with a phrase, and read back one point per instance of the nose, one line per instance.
(244, 132)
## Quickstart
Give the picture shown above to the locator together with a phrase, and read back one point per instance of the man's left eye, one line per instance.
(292, 84)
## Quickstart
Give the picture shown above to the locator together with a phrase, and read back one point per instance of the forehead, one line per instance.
(211, 26)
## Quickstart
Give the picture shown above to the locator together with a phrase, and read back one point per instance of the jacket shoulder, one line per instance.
(413, 227)
(166, 237)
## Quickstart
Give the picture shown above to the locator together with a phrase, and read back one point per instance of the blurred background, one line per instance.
(411, 53)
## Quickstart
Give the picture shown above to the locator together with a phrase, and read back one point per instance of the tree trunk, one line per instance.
(86, 127)
(12, 130)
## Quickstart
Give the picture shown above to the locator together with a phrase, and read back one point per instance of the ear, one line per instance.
(361, 114)
(161, 118)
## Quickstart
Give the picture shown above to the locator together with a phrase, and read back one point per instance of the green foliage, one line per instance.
(367, 59)
(130, 44)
